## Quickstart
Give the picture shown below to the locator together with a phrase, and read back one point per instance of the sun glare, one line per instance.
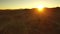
(40, 7)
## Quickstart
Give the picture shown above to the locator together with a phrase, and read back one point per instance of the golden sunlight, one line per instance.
(40, 8)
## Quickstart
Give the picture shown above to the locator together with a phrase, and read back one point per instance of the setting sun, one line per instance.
(40, 7)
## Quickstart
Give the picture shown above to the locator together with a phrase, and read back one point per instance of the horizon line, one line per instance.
(25, 8)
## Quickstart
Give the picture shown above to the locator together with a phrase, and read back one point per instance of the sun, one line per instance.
(40, 7)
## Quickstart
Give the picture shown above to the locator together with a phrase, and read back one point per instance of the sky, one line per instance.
(17, 4)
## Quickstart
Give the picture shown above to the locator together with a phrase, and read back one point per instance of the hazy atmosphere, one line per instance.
(29, 16)
(16, 4)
